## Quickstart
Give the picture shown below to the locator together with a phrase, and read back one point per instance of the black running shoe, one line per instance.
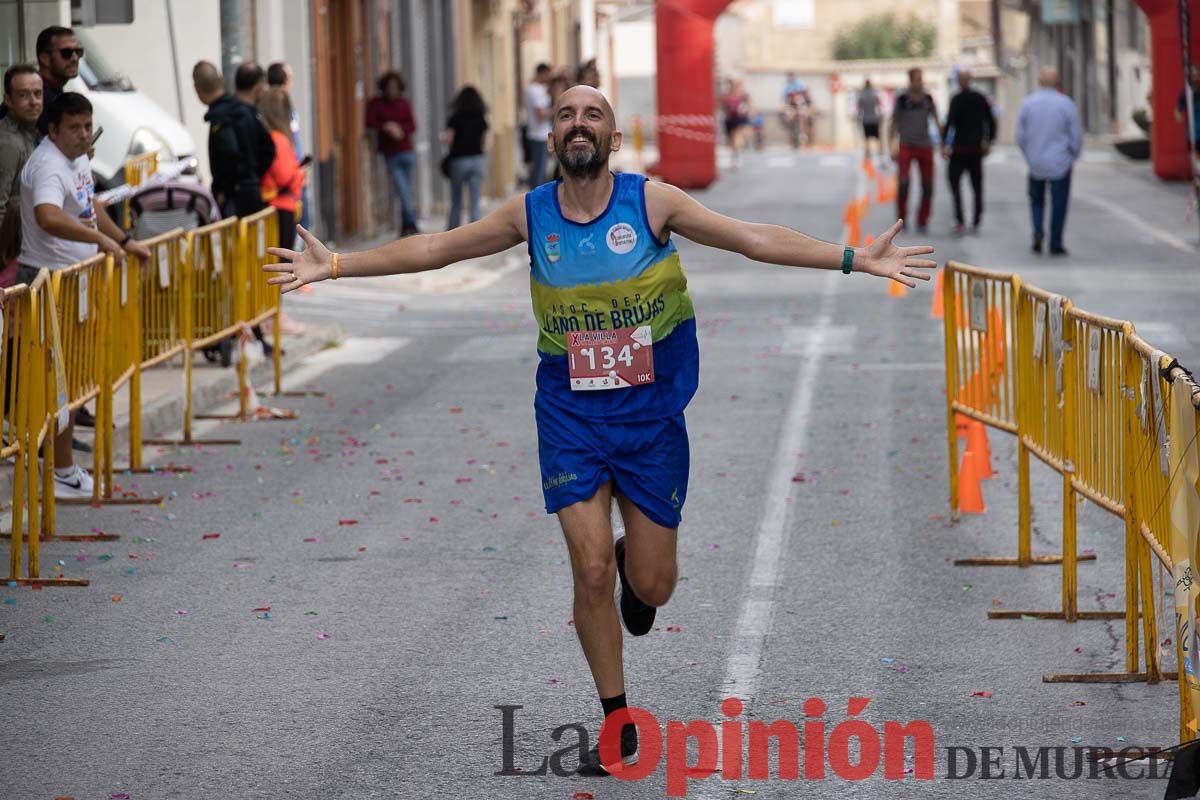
(637, 616)
(591, 767)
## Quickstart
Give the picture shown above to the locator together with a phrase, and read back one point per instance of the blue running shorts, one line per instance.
(647, 462)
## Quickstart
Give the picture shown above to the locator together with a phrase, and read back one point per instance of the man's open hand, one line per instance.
(885, 259)
(314, 264)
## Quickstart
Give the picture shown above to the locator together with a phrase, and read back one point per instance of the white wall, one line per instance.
(142, 51)
(283, 34)
(634, 66)
(634, 49)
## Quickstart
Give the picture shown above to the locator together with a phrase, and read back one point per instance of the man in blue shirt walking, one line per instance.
(1050, 135)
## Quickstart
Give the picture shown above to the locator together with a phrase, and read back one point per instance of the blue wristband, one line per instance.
(848, 260)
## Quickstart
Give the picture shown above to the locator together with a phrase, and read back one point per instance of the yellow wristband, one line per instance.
(333, 271)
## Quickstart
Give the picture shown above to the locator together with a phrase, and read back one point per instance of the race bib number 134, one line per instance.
(610, 359)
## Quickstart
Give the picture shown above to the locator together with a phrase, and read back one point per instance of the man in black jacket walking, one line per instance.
(974, 129)
(240, 150)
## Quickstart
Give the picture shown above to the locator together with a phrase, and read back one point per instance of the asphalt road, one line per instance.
(414, 582)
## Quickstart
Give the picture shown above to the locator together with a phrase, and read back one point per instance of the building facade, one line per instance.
(1101, 49)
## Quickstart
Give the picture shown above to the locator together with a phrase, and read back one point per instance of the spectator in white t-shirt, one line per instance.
(537, 124)
(61, 225)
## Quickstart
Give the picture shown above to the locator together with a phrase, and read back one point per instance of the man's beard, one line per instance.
(576, 163)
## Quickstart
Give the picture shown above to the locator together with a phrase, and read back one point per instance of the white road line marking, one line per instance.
(354, 351)
(1166, 237)
(754, 621)
(839, 339)
(744, 667)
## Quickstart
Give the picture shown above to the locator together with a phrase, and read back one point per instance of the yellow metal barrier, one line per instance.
(258, 232)
(1087, 407)
(1159, 459)
(1065, 395)
(230, 294)
(210, 309)
(1073, 411)
(138, 170)
(150, 307)
(80, 297)
(983, 312)
(254, 301)
(1182, 409)
(30, 337)
(17, 348)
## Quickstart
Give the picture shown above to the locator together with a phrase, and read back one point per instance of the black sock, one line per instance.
(611, 704)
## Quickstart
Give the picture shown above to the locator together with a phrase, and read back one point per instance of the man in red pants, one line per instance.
(910, 125)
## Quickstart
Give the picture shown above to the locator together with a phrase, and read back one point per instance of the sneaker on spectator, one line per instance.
(76, 482)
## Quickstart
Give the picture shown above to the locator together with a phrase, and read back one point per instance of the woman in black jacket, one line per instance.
(466, 140)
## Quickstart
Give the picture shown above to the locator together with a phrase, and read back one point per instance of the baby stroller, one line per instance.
(163, 207)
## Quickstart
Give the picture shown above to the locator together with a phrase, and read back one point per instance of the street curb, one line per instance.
(210, 389)
(164, 417)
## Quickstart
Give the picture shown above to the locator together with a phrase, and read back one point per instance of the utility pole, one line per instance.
(233, 39)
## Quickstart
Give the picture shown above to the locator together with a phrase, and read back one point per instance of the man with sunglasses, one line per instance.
(58, 55)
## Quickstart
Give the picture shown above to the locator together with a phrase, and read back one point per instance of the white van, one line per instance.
(133, 123)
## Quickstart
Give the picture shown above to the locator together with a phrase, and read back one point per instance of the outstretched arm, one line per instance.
(775, 244)
(495, 233)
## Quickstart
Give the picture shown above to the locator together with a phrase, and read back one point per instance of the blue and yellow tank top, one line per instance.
(606, 274)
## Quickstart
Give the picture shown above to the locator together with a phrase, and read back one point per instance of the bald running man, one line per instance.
(618, 358)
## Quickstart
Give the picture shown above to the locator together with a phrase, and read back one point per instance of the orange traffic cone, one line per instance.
(935, 311)
(970, 493)
(977, 444)
(896, 289)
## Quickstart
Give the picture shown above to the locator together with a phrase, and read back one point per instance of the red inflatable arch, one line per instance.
(1168, 138)
(687, 142)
